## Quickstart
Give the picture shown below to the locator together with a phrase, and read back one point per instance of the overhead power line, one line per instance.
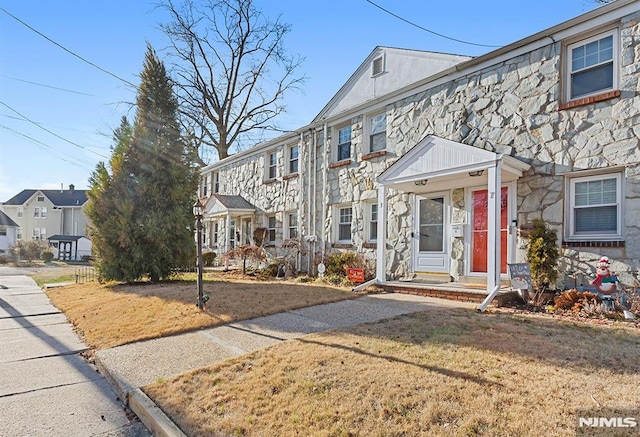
(427, 30)
(46, 147)
(53, 133)
(47, 86)
(66, 49)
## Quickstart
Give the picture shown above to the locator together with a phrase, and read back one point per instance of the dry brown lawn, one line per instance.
(112, 315)
(434, 373)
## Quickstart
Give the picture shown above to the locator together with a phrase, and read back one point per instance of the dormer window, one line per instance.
(377, 66)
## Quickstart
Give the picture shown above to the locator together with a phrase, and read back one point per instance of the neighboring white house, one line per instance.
(8, 231)
(41, 214)
(435, 164)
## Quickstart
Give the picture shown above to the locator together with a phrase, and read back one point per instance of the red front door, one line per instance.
(479, 233)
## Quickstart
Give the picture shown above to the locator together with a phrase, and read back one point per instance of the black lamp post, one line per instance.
(197, 212)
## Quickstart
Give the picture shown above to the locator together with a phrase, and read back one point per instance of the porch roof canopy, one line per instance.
(436, 164)
(223, 205)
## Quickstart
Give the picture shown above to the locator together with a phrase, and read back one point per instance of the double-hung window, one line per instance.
(595, 207)
(344, 143)
(345, 216)
(216, 182)
(373, 222)
(271, 229)
(293, 159)
(378, 133)
(293, 225)
(592, 66)
(272, 165)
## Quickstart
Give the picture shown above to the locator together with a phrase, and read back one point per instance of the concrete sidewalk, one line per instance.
(46, 387)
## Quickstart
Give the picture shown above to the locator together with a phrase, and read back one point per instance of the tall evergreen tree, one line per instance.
(141, 209)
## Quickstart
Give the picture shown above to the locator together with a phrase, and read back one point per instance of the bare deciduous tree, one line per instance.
(231, 70)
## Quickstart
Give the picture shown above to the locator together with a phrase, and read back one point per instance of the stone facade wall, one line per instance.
(511, 108)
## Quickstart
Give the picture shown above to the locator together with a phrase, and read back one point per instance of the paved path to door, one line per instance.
(46, 387)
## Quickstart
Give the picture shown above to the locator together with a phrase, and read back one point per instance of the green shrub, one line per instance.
(209, 259)
(47, 255)
(271, 270)
(543, 255)
(338, 262)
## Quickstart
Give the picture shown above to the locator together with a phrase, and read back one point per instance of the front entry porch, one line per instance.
(464, 219)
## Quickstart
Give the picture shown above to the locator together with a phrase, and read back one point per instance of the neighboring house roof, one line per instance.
(66, 237)
(57, 197)
(5, 220)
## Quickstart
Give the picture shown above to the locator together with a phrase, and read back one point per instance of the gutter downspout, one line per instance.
(300, 195)
(325, 193)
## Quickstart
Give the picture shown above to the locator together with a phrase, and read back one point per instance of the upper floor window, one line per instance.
(3, 230)
(43, 212)
(19, 234)
(216, 182)
(595, 206)
(293, 159)
(344, 143)
(36, 212)
(273, 165)
(205, 185)
(592, 65)
(20, 211)
(378, 133)
(40, 198)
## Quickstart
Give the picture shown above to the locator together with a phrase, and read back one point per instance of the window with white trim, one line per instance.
(3, 230)
(271, 229)
(293, 159)
(39, 234)
(592, 65)
(272, 165)
(216, 229)
(377, 133)
(344, 218)
(19, 234)
(36, 212)
(344, 143)
(292, 225)
(205, 185)
(20, 211)
(232, 233)
(372, 210)
(40, 198)
(595, 207)
(216, 182)
(43, 212)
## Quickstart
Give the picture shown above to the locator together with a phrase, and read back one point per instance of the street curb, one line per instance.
(152, 416)
(147, 411)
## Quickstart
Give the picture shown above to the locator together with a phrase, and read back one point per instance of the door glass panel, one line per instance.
(479, 230)
(431, 227)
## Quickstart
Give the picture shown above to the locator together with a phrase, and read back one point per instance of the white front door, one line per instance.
(431, 248)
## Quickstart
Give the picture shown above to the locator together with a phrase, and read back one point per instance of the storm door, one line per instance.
(430, 235)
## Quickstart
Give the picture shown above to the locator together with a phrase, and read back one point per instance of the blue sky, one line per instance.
(57, 112)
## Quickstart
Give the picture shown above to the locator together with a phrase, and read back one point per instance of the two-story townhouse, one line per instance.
(440, 170)
(54, 216)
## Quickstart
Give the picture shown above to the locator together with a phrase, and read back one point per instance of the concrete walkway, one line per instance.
(46, 387)
(138, 364)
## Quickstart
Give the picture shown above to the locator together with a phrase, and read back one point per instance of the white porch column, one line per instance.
(381, 261)
(227, 233)
(494, 200)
